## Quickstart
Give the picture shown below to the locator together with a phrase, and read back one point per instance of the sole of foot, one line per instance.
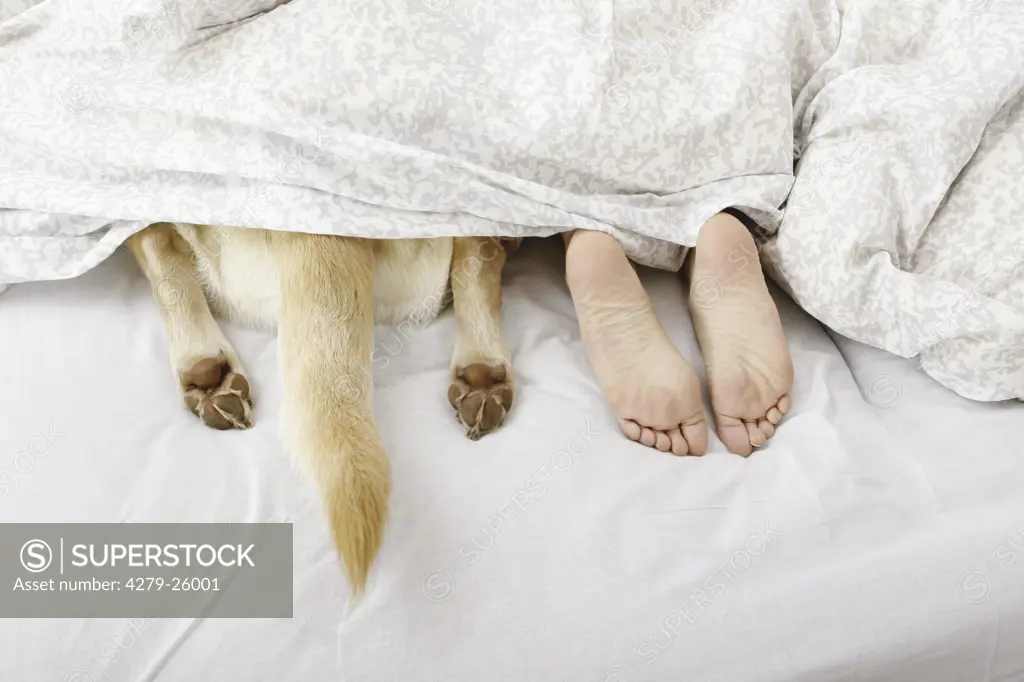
(749, 369)
(651, 388)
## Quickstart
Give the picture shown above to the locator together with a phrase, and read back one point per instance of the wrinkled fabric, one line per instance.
(897, 226)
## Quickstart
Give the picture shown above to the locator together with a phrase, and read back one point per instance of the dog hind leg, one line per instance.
(325, 334)
(482, 385)
(209, 373)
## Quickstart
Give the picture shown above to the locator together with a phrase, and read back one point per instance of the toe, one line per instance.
(194, 398)
(504, 394)
(784, 404)
(756, 436)
(630, 429)
(456, 392)
(696, 435)
(232, 409)
(469, 408)
(648, 438)
(230, 405)
(679, 446)
(213, 417)
(662, 441)
(766, 427)
(774, 415)
(734, 434)
(491, 416)
(237, 384)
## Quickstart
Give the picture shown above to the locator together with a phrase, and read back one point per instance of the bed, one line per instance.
(877, 537)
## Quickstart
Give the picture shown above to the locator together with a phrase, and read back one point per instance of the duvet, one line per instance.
(877, 145)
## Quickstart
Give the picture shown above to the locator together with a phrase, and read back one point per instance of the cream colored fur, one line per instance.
(325, 293)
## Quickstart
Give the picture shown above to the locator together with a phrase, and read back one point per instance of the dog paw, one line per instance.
(482, 396)
(217, 394)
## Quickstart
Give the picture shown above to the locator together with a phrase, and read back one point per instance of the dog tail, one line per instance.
(325, 339)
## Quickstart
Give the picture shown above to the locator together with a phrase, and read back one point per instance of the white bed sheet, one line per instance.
(838, 553)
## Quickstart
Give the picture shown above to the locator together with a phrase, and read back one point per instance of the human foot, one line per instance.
(651, 388)
(749, 369)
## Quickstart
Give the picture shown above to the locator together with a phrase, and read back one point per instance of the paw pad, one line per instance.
(219, 396)
(482, 396)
